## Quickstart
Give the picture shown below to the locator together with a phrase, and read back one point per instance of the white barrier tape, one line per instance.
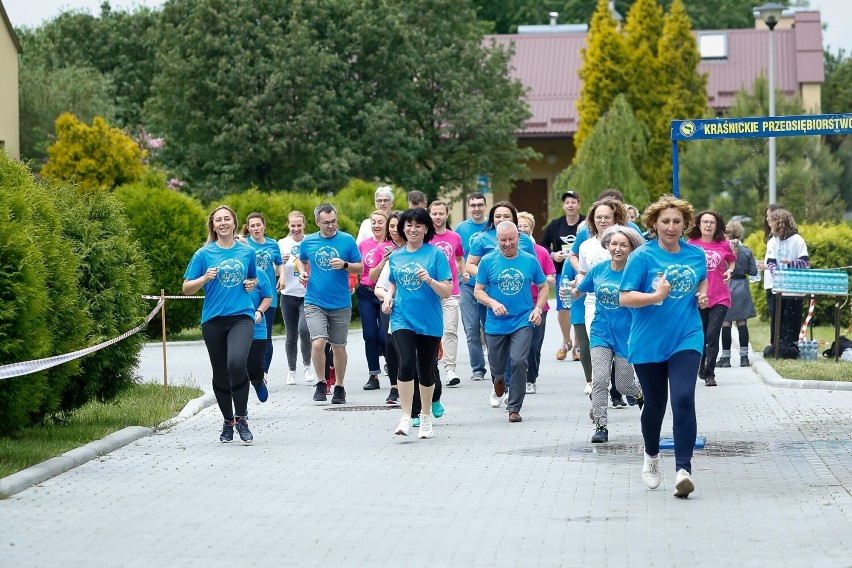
(146, 297)
(29, 367)
(805, 325)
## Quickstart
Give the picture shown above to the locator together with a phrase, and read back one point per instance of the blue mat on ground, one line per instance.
(668, 443)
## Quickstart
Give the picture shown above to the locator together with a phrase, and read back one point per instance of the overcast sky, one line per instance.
(34, 12)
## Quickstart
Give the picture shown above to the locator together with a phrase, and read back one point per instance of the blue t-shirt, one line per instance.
(486, 242)
(263, 290)
(268, 257)
(468, 230)
(583, 234)
(658, 331)
(226, 294)
(611, 325)
(416, 306)
(578, 310)
(328, 288)
(508, 281)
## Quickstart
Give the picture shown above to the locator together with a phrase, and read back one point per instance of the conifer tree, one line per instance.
(603, 71)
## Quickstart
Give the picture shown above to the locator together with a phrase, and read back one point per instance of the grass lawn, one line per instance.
(822, 369)
(141, 405)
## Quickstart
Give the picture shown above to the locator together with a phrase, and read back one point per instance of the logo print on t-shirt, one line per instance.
(406, 276)
(231, 272)
(446, 248)
(683, 279)
(713, 259)
(264, 259)
(568, 239)
(370, 257)
(607, 296)
(510, 281)
(294, 252)
(322, 258)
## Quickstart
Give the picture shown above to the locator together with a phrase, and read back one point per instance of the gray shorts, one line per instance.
(332, 325)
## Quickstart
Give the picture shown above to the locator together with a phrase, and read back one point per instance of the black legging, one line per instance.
(228, 340)
(255, 361)
(742, 330)
(417, 356)
(711, 320)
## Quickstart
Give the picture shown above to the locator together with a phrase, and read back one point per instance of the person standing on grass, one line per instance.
(293, 301)
(503, 281)
(526, 225)
(665, 282)
(742, 304)
(261, 297)
(227, 270)
(709, 235)
(558, 237)
(611, 325)
(419, 278)
(472, 313)
(369, 308)
(450, 244)
(270, 261)
(330, 256)
(763, 266)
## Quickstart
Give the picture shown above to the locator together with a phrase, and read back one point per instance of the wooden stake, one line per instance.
(163, 322)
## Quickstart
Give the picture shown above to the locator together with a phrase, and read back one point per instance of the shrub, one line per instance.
(169, 227)
(95, 157)
(829, 246)
(42, 312)
(113, 275)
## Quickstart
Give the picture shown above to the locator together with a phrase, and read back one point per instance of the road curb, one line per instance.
(39, 473)
(771, 377)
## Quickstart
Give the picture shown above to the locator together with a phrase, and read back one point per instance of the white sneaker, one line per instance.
(683, 484)
(425, 431)
(291, 377)
(453, 379)
(530, 388)
(506, 398)
(651, 471)
(495, 400)
(588, 388)
(310, 376)
(404, 426)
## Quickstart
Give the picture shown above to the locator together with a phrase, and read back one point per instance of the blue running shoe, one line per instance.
(262, 392)
(241, 425)
(630, 400)
(437, 409)
(415, 422)
(227, 434)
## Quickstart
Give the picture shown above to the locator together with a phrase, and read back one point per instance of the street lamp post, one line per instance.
(770, 14)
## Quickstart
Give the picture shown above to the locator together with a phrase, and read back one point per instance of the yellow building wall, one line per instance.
(811, 97)
(9, 116)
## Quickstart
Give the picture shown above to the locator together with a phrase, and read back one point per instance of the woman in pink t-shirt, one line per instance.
(372, 251)
(709, 234)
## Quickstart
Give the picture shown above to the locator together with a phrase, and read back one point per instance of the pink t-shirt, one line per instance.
(547, 267)
(451, 245)
(371, 254)
(717, 254)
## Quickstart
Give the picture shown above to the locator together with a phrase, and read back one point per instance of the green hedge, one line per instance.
(170, 227)
(829, 246)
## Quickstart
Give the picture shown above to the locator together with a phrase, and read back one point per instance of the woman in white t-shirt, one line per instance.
(293, 300)
(786, 249)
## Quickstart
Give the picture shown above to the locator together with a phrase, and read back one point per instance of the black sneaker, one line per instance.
(319, 392)
(339, 396)
(372, 383)
(242, 427)
(723, 362)
(744, 362)
(618, 402)
(393, 397)
(227, 434)
(601, 435)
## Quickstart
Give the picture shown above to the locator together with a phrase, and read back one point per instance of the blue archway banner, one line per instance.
(762, 127)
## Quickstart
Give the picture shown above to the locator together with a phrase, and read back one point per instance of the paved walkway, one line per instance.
(328, 486)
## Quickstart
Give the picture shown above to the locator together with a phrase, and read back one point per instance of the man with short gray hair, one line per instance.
(384, 202)
(503, 285)
(330, 256)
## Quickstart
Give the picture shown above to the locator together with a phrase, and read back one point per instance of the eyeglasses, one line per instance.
(383, 201)
(328, 223)
(603, 217)
(476, 205)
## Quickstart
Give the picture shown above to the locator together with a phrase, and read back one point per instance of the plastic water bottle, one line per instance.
(755, 278)
(655, 283)
(803, 353)
(565, 291)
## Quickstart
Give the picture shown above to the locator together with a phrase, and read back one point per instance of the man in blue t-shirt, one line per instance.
(329, 257)
(472, 313)
(503, 285)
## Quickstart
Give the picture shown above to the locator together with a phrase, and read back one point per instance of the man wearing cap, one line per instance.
(558, 237)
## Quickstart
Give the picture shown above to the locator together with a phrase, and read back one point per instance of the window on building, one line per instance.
(713, 45)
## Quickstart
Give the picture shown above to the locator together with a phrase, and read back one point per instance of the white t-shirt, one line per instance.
(292, 286)
(791, 249)
(364, 232)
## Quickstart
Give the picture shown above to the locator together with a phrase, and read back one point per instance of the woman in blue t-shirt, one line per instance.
(610, 325)
(261, 298)
(665, 282)
(227, 270)
(419, 278)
